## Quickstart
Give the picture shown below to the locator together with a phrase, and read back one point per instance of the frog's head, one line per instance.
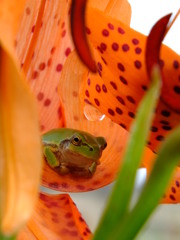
(87, 145)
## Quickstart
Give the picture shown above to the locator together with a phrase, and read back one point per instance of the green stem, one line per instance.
(167, 160)
(119, 201)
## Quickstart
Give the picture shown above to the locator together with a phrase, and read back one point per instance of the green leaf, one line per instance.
(167, 159)
(118, 205)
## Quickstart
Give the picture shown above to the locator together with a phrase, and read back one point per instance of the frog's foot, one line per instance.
(92, 168)
(63, 170)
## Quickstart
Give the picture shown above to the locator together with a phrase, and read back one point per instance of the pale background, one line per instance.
(165, 221)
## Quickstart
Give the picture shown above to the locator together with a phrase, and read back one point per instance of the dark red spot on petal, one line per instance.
(53, 50)
(113, 84)
(119, 111)
(104, 88)
(167, 128)
(63, 33)
(97, 102)
(110, 26)
(115, 46)
(121, 67)
(125, 47)
(138, 50)
(40, 96)
(68, 51)
(47, 102)
(135, 41)
(105, 33)
(88, 31)
(130, 99)
(137, 64)
(42, 66)
(89, 81)
(98, 88)
(165, 113)
(160, 138)
(176, 64)
(154, 129)
(120, 99)
(28, 11)
(131, 114)
(59, 67)
(111, 112)
(173, 189)
(123, 80)
(120, 30)
(103, 46)
(35, 74)
(68, 215)
(87, 93)
(172, 197)
(99, 66)
(177, 184)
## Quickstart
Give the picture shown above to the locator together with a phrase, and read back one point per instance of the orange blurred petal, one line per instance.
(122, 80)
(43, 43)
(56, 217)
(10, 16)
(20, 146)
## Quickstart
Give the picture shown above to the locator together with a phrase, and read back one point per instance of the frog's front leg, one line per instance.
(51, 155)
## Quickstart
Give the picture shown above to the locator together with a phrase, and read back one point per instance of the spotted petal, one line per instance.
(43, 42)
(122, 80)
(56, 217)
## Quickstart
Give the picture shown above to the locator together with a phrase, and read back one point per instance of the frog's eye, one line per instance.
(76, 141)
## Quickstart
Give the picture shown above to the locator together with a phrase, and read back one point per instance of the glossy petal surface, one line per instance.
(56, 217)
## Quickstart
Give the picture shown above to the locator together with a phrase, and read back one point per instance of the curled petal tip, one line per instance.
(154, 42)
(78, 31)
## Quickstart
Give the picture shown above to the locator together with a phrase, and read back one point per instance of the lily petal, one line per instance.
(172, 194)
(122, 80)
(20, 146)
(116, 137)
(56, 217)
(43, 43)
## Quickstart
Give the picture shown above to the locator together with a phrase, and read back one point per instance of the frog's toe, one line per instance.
(63, 170)
(92, 168)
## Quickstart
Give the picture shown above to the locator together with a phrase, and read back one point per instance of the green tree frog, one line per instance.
(72, 151)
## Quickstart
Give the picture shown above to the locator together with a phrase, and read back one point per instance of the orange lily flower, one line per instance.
(44, 26)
